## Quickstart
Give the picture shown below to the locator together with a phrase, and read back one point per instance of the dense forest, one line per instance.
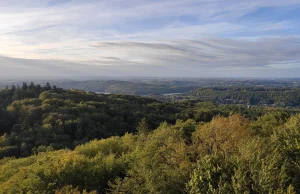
(127, 87)
(227, 155)
(54, 140)
(268, 96)
(35, 116)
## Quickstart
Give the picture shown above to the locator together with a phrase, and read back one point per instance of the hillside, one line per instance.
(226, 155)
(55, 140)
(127, 87)
(270, 96)
(32, 116)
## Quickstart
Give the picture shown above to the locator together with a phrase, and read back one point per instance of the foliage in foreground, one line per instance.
(227, 155)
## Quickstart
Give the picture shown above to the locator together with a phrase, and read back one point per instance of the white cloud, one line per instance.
(126, 33)
(179, 56)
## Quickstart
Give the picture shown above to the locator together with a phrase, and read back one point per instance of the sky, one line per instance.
(160, 38)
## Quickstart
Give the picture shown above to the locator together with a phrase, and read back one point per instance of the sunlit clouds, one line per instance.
(177, 38)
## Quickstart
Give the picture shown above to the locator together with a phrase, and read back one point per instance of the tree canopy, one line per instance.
(71, 141)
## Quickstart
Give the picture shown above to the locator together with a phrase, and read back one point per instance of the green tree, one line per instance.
(143, 127)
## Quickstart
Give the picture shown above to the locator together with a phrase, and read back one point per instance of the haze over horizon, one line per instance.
(166, 38)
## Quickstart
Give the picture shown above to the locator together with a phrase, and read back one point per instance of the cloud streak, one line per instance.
(213, 53)
(73, 36)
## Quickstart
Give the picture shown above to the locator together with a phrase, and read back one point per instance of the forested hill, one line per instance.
(33, 116)
(70, 141)
(276, 96)
(127, 87)
(226, 155)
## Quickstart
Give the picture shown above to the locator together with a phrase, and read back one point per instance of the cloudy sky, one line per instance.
(197, 38)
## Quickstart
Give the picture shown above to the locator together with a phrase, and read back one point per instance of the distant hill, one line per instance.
(126, 87)
(280, 97)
